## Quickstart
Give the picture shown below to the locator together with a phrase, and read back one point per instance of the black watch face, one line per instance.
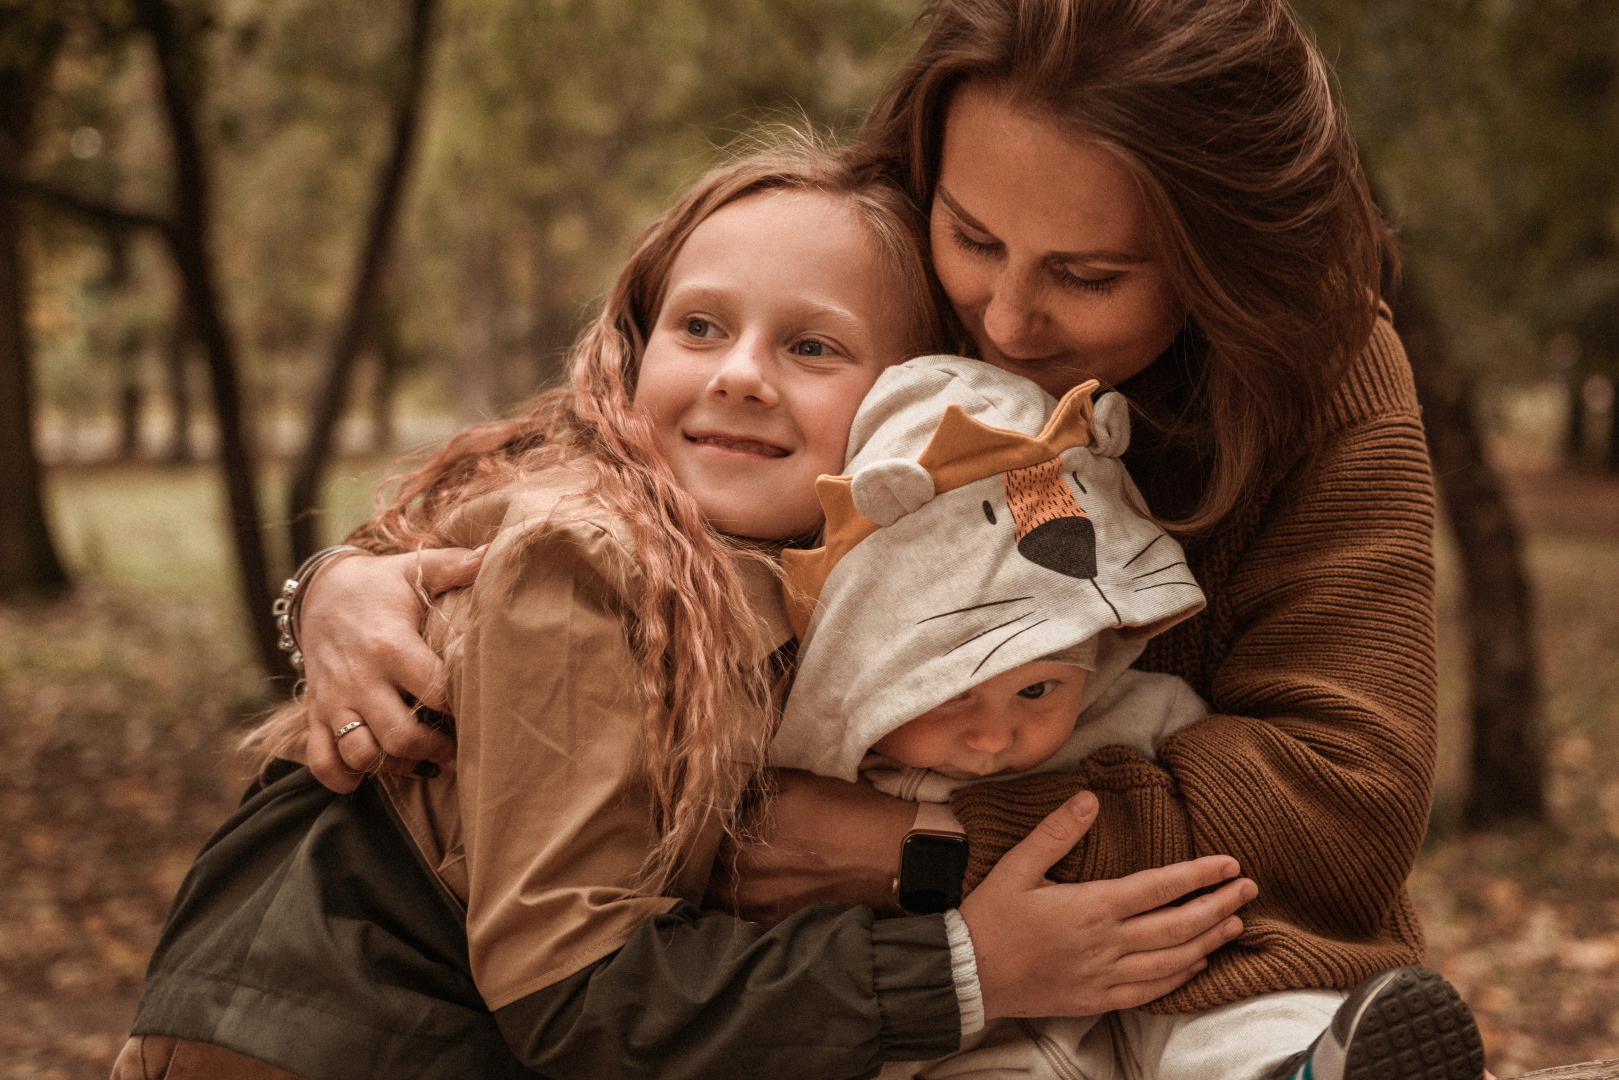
(931, 870)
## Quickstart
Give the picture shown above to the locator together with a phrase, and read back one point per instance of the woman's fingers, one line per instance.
(1167, 927)
(417, 670)
(442, 569)
(362, 642)
(1150, 965)
(1131, 995)
(1147, 890)
(1055, 836)
(327, 764)
(395, 724)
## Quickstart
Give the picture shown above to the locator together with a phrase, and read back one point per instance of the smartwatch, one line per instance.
(932, 861)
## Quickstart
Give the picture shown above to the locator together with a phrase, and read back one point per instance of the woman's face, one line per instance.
(1043, 244)
(779, 316)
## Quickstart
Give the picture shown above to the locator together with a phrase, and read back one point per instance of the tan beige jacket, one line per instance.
(542, 824)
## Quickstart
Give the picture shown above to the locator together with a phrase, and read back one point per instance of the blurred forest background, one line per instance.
(251, 252)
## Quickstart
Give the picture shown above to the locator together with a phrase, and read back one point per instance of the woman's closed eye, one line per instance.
(966, 243)
(1038, 690)
(1098, 281)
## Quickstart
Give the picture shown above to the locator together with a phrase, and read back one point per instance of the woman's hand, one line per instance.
(360, 630)
(822, 839)
(1076, 950)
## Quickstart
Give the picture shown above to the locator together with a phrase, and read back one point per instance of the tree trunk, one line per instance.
(130, 396)
(389, 361)
(189, 244)
(1507, 760)
(130, 344)
(1611, 461)
(28, 561)
(1574, 429)
(179, 385)
(357, 316)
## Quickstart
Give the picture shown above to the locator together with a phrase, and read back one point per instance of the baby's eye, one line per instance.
(1038, 690)
(701, 328)
(810, 347)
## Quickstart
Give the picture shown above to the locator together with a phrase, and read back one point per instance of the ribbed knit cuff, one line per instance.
(916, 993)
(964, 973)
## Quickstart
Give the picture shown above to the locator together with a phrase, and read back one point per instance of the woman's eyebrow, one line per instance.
(955, 208)
(1104, 255)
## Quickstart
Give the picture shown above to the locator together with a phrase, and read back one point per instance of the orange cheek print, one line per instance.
(1052, 529)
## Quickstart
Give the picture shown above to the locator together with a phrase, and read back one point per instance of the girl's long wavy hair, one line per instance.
(1222, 111)
(704, 664)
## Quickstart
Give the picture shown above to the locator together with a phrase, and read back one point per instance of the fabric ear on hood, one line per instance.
(887, 490)
(1110, 425)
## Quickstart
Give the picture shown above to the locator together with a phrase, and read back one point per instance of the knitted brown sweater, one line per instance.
(1317, 652)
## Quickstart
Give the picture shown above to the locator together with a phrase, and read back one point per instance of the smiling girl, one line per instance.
(613, 676)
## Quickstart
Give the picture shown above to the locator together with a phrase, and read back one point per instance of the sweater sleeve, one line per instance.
(1315, 769)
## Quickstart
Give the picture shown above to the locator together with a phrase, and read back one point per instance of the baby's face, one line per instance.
(1006, 724)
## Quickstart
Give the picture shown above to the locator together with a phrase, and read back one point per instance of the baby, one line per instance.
(989, 574)
(986, 582)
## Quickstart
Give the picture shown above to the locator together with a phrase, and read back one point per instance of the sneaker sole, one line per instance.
(1415, 1027)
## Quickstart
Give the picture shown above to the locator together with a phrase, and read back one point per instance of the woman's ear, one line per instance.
(1110, 425)
(887, 490)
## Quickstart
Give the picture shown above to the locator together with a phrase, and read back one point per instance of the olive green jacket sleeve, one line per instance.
(828, 993)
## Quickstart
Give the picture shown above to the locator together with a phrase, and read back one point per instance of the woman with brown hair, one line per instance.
(1160, 194)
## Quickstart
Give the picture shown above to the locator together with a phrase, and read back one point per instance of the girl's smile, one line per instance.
(723, 443)
(779, 314)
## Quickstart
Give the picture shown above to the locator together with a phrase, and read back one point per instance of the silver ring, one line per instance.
(348, 727)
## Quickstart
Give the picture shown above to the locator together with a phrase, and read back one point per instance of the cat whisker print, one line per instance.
(1007, 640)
(984, 633)
(977, 607)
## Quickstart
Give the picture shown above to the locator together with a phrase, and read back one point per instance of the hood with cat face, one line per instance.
(981, 525)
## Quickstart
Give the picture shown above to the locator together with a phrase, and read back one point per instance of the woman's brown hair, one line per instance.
(709, 710)
(1222, 110)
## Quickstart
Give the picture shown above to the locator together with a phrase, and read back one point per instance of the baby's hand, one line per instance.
(1045, 949)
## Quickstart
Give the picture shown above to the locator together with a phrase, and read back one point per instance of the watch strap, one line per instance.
(936, 819)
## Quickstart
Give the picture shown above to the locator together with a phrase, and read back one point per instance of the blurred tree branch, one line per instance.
(360, 312)
(103, 214)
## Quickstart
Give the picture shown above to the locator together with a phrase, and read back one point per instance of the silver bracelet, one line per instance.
(289, 605)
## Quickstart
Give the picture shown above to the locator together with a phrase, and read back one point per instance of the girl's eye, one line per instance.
(701, 328)
(967, 243)
(810, 348)
(1038, 690)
